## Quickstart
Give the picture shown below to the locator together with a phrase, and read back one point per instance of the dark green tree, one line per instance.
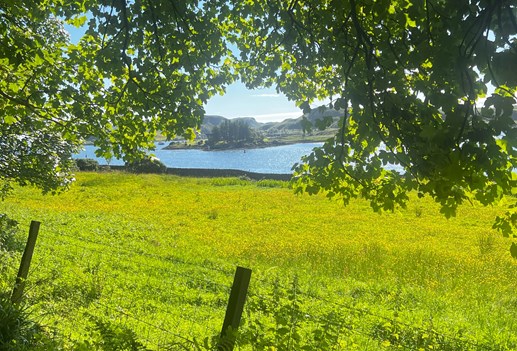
(232, 131)
(215, 136)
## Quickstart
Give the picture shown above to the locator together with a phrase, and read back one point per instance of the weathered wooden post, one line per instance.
(241, 282)
(19, 286)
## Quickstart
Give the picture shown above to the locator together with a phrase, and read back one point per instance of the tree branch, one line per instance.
(155, 28)
(34, 109)
(106, 23)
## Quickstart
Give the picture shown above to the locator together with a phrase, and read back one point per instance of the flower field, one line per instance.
(149, 259)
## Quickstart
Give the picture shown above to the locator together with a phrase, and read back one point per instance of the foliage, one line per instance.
(8, 231)
(281, 321)
(140, 67)
(148, 164)
(397, 336)
(34, 100)
(14, 324)
(10, 253)
(87, 164)
(18, 332)
(33, 155)
(412, 77)
(230, 181)
(270, 183)
(233, 132)
(285, 331)
(244, 181)
(110, 336)
(141, 250)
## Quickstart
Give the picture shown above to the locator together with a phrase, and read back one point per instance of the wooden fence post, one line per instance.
(241, 282)
(19, 286)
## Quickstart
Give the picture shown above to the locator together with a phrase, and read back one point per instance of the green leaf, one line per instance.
(10, 119)
(409, 22)
(77, 21)
(38, 61)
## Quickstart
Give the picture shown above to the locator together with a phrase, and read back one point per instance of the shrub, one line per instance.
(87, 164)
(13, 323)
(8, 230)
(18, 332)
(147, 165)
(271, 183)
(242, 181)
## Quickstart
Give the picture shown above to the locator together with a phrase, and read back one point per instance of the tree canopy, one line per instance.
(411, 77)
(232, 132)
(142, 66)
(426, 85)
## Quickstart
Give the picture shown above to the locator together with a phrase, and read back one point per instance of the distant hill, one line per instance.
(211, 121)
(286, 126)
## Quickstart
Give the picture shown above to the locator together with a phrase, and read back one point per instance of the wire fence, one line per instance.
(101, 292)
(304, 319)
(161, 300)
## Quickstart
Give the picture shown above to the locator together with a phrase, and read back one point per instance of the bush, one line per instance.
(87, 164)
(230, 181)
(18, 332)
(13, 323)
(147, 165)
(8, 231)
(271, 183)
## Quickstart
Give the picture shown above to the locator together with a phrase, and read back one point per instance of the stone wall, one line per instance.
(213, 173)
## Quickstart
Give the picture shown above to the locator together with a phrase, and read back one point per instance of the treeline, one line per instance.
(233, 132)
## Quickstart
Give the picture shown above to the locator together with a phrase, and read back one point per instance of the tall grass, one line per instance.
(455, 275)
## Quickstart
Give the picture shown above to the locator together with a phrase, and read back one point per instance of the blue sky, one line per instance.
(265, 105)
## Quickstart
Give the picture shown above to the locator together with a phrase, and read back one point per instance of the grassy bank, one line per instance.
(148, 245)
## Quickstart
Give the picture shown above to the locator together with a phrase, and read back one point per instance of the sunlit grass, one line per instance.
(456, 272)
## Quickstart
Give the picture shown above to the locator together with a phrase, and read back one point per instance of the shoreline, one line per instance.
(240, 145)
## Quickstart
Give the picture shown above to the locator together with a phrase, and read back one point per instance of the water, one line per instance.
(278, 160)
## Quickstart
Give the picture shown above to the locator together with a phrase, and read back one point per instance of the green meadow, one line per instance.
(145, 262)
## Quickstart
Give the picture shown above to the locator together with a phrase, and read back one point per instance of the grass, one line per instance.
(163, 249)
